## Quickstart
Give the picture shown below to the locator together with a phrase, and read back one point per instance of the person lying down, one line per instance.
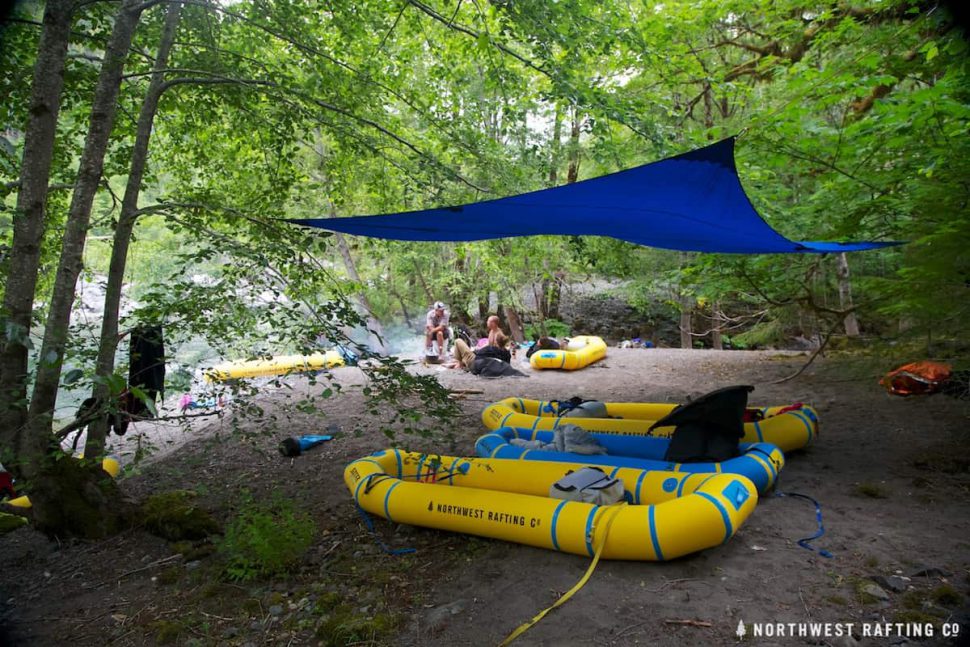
(493, 360)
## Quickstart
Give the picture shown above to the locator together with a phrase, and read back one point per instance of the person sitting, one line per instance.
(491, 326)
(465, 357)
(436, 329)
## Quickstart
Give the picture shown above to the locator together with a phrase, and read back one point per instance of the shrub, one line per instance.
(554, 328)
(264, 540)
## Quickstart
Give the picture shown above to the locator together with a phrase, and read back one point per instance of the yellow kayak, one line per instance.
(667, 515)
(279, 365)
(580, 352)
(785, 427)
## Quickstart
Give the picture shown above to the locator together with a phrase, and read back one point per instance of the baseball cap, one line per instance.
(438, 305)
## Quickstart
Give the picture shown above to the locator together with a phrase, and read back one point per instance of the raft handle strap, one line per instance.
(818, 517)
(372, 480)
(580, 584)
(387, 549)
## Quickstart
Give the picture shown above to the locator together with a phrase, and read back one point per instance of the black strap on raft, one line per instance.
(818, 517)
(565, 406)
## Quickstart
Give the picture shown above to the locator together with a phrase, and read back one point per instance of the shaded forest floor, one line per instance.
(892, 476)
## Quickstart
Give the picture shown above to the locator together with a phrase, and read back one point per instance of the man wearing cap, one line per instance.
(436, 327)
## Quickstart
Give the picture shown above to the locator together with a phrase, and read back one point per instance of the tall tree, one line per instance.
(59, 503)
(98, 428)
(28, 226)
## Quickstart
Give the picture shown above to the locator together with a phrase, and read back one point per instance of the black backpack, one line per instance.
(709, 428)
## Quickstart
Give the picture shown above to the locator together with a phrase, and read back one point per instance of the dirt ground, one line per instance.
(892, 476)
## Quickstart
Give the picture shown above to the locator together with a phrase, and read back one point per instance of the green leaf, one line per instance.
(146, 400)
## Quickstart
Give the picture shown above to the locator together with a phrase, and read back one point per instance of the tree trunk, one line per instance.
(551, 295)
(483, 312)
(845, 296)
(374, 329)
(37, 437)
(424, 284)
(572, 174)
(556, 147)
(686, 325)
(408, 320)
(457, 302)
(80, 499)
(516, 331)
(98, 430)
(28, 226)
(717, 340)
(708, 111)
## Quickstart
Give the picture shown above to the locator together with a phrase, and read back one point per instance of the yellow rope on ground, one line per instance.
(580, 584)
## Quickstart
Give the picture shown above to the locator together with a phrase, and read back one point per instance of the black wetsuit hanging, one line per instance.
(146, 367)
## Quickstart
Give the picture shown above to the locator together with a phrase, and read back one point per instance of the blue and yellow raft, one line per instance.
(667, 514)
(758, 462)
(785, 427)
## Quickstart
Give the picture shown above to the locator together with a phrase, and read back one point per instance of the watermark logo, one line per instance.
(741, 630)
(839, 629)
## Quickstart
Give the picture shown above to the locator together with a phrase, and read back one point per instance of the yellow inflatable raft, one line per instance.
(580, 352)
(279, 365)
(110, 464)
(785, 427)
(669, 514)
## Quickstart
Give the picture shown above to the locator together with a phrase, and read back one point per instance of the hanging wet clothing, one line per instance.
(146, 366)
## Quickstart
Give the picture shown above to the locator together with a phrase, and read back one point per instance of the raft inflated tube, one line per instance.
(788, 430)
(110, 464)
(580, 352)
(669, 514)
(279, 365)
(758, 462)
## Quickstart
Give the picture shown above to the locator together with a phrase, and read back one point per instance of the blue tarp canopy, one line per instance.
(691, 202)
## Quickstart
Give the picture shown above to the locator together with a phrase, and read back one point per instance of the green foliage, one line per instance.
(760, 335)
(265, 539)
(553, 328)
(10, 522)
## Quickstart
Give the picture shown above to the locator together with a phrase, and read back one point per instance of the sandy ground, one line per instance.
(892, 476)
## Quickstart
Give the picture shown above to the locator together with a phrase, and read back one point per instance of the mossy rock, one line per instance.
(910, 616)
(166, 631)
(870, 490)
(945, 595)
(174, 516)
(169, 575)
(344, 627)
(193, 550)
